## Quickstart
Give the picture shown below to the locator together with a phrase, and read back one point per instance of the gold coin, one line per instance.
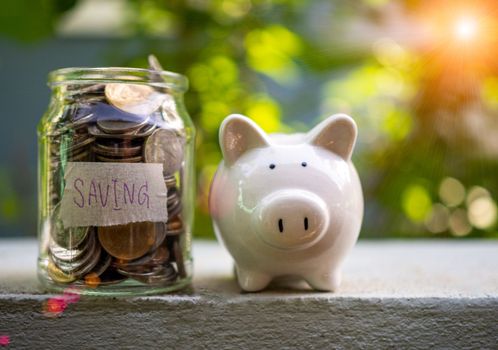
(134, 98)
(57, 275)
(128, 241)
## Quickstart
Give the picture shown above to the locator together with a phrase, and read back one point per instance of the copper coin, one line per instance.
(175, 223)
(129, 241)
(133, 98)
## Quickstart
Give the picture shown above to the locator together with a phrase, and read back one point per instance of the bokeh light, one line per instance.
(438, 219)
(416, 203)
(482, 208)
(466, 28)
(451, 192)
(459, 224)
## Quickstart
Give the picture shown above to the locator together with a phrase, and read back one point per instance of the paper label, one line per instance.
(105, 194)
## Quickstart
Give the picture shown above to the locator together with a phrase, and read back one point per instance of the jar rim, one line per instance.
(102, 75)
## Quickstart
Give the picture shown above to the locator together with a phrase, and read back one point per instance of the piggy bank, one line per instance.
(287, 205)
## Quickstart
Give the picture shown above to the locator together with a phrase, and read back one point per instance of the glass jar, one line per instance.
(116, 184)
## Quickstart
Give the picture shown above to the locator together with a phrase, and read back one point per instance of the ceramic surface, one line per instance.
(287, 205)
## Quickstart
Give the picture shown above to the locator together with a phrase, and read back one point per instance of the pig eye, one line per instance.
(272, 166)
(304, 164)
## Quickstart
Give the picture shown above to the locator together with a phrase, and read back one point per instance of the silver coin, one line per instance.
(103, 264)
(145, 131)
(165, 146)
(63, 254)
(121, 149)
(170, 181)
(156, 257)
(156, 69)
(75, 146)
(154, 64)
(120, 126)
(174, 207)
(164, 275)
(90, 263)
(73, 266)
(177, 251)
(86, 89)
(68, 238)
(136, 159)
(161, 231)
(140, 271)
(82, 156)
(86, 263)
(95, 131)
(111, 276)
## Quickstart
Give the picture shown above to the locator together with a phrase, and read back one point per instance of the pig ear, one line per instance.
(337, 134)
(239, 134)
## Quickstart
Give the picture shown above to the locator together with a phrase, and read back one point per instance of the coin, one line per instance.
(57, 274)
(177, 251)
(79, 157)
(85, 263)
(134, 98)
(159, 275)
(103, 263)
(174, 206)
(175, 223)
(146, 130)
(64, 254)
(136, 159)
(161, 231)
(154, 63)
(111, 276)
(170, 181)
(90, 263)
(72, 146)
(128, 241)
(119, 126)
(117, 149)
(67, 238)
(165, 146)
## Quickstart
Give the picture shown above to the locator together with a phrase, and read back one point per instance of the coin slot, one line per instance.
(280, 225)
(306, 224)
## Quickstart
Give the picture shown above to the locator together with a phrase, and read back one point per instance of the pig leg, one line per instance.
(327, 281)
(252, 281)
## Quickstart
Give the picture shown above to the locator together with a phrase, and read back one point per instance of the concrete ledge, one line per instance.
(438, 294)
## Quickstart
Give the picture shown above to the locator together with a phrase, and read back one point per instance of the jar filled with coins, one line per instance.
(116, 186)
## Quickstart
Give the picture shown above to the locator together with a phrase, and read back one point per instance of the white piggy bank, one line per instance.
(287, 205)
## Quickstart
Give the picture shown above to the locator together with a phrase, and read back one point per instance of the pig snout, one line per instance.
(292, 219)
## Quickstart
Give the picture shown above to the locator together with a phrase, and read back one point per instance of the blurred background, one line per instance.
(419, 77)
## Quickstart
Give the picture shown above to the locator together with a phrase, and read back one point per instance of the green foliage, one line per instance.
(28, 20)
(286, 65)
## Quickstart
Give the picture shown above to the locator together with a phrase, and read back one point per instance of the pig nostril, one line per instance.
(306, 224)
(280, 225)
